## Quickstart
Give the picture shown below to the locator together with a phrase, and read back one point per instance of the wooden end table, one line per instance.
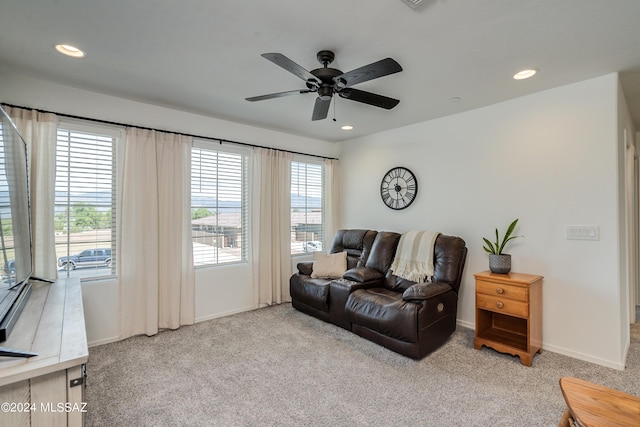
(509, 313)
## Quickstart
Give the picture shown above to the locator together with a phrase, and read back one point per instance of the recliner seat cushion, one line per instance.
(384, 311)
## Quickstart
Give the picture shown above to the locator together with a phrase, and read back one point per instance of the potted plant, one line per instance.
(499, 262)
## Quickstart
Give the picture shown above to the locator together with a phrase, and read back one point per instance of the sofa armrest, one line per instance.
(305, 268)
(362, 274)
(424, 291)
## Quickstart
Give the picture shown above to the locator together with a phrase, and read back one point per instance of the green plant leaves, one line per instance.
(497, 247)
(488, 248)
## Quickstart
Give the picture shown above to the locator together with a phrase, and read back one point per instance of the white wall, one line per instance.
(550, 159)
(219, 290)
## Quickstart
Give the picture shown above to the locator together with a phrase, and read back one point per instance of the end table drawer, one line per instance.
(502, 290)
(502, 305)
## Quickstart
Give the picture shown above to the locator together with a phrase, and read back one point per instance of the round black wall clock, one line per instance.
(398, 188)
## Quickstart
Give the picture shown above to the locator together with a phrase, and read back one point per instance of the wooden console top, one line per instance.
(51, 325)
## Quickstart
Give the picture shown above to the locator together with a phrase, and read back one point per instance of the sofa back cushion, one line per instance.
(356, 243)
(383, 250)
(449, 256)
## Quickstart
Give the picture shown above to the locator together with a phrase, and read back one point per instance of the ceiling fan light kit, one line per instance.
(328, 81)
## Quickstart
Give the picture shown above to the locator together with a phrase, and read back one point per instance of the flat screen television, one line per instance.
(15, 231)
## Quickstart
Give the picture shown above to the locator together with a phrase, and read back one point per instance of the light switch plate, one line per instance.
(583, 232)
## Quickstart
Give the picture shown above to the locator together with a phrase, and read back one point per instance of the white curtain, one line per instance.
(271, 227)
(155, 255)
(332, 199)
(39, 132)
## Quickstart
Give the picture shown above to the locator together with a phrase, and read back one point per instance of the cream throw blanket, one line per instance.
(414, 256)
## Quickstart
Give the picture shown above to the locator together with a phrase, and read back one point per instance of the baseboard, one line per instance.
(585, 357)
(103, 341)
(225, 313)
(566, 352)
(198, 320)
(466, 324)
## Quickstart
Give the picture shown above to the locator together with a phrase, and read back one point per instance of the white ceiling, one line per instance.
(203, 56)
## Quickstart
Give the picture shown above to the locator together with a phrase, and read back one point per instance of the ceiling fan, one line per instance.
(326, 81)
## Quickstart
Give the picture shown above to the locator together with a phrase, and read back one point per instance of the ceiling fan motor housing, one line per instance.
(326, 87)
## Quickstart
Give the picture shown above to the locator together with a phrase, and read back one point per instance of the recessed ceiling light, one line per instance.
(455, 100)
(69, 50)
(347, 127)
(524, 74)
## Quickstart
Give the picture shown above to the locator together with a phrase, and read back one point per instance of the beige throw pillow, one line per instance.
(329, 266)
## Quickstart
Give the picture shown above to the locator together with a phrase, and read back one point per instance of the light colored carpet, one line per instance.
(278, 367)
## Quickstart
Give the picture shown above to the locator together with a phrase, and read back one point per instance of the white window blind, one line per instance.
(9, 172)
(5, 200)
(219, 201)
(85, 207)
(307, 207)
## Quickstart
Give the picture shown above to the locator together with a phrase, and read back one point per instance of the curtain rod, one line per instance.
(220, 140)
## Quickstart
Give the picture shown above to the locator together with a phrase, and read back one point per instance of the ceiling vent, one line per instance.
(412, 3)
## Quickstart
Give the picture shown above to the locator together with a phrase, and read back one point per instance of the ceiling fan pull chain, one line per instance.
(335, 99)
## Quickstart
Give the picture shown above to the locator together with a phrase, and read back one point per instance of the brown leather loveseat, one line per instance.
(409, 318)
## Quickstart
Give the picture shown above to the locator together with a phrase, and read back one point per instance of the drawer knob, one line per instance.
(499, 304)
(500, 291)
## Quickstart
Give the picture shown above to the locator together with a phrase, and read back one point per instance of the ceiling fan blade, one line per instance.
(369, 98)
(278, 95)
(321, 109)
(290, 66)
(382, 68)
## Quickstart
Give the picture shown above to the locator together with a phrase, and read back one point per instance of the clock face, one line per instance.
(398, 188)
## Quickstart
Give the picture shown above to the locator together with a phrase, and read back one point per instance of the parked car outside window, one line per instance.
(87, 258)
(312, 246)
(10, 268)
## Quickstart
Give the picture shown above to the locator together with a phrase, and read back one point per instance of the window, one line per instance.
(85, 208)
(219, 204)
(307, 207)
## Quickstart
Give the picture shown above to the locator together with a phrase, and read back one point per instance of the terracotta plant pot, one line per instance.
(500, 264)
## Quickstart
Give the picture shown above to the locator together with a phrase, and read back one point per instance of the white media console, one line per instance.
(47, 389)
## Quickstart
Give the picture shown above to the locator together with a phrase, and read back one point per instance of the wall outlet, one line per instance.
(583, 232)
